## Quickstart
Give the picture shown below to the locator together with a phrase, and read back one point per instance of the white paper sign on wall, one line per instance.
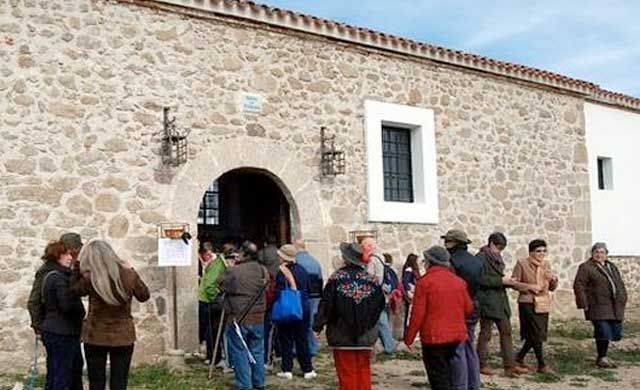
(174, 252)
(251, 103)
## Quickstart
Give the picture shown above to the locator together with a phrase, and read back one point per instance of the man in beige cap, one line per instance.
(465, 371)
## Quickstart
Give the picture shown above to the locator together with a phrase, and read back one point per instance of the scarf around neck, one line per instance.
(494, 258)
(534, 262)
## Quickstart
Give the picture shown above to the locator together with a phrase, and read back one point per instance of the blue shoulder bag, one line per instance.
(288, 305)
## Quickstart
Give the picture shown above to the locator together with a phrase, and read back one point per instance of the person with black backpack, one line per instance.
(62, 320)
(71, 241)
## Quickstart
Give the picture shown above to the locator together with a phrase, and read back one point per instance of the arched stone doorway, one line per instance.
(245, 204)
(289, 172)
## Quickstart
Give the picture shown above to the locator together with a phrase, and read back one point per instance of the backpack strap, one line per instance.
(44, 283)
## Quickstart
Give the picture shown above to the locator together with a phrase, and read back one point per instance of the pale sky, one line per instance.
(592, 40)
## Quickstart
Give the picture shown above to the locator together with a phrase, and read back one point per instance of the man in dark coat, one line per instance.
(466, 368)
(493, 305)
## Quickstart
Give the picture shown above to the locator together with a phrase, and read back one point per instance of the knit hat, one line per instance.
(351, 253)
(287, 253)
(71, 241)
(456, 235)
(437, 255)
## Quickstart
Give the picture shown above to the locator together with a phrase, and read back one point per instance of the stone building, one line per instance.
(462, 141)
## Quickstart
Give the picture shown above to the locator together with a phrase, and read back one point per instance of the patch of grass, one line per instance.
(569, 361)
(631, 328)
(160, 377)
(544, 378)
(605, 375)
(400, 355)
(575, 330)
(628, 356)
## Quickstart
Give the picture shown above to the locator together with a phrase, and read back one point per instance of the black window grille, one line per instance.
(209, 213)
(396, 156)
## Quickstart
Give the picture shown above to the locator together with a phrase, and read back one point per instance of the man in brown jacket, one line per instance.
(245, 303)
(601, 292)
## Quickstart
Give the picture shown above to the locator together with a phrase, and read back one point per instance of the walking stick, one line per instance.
(33, 373)
(217, 344)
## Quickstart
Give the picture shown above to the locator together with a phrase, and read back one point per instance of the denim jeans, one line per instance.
(247, 375)
(313, 309)
(465, 370)
(64, 361)
(384, 332)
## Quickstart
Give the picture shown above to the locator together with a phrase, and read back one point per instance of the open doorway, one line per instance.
(244, 204)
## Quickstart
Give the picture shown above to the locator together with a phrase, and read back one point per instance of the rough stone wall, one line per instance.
(82, 85)
(629, 267)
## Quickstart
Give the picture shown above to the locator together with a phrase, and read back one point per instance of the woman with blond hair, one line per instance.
(111, 284)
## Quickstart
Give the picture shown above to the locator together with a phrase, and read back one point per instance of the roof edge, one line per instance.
(250, 11)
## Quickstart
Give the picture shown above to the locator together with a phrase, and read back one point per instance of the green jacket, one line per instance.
(208, 289)
(492, 297)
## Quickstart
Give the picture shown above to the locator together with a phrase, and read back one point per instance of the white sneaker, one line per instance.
(310, 375)
(207, 362)
(285, 375)
(221, 364)
(227, 370)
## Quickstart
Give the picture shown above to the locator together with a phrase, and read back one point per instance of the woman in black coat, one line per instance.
(63, 314)
(601, 293)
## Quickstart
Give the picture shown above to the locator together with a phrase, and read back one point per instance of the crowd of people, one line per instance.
(259, 306)
(442, 296)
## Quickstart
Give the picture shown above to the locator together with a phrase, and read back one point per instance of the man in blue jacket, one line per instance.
(314, 272)
(466, 368)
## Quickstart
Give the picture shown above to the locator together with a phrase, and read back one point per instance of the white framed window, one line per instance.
(605, 173)
(385, 180)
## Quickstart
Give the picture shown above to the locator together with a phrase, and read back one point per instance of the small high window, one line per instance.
(396, 163)
(209, 213)
(605, 173)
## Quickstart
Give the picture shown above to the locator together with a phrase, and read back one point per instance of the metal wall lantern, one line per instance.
(333, 161)
(174, 144)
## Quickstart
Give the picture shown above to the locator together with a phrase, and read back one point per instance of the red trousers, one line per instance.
(353, 368)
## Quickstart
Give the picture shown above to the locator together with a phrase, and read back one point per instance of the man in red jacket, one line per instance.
(440, 305)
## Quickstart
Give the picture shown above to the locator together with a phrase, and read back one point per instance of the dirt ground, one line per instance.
(570, 351)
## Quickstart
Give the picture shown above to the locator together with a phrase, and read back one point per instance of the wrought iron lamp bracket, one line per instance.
(332, 160)
(174, 144)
